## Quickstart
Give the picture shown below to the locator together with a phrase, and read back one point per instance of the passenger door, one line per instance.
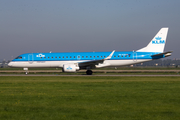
(30, 58)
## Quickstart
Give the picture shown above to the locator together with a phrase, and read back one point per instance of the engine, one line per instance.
(70, 68)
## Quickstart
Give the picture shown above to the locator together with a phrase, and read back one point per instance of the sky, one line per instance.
(31, 26)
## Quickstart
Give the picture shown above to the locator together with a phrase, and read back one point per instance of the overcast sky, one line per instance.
(28, 26)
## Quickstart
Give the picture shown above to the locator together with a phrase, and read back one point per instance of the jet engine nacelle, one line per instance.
(70, 68)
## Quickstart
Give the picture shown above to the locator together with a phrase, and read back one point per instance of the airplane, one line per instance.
(75, 61)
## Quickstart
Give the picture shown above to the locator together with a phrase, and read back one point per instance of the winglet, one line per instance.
(109, 57)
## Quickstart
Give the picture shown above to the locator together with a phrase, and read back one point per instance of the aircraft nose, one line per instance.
(10, 64)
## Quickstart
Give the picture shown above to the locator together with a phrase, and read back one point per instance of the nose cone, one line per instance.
(10, 64)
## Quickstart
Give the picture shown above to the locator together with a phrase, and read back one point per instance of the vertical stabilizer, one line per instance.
(157, 44)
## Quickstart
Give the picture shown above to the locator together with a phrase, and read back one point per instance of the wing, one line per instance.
(93, 63)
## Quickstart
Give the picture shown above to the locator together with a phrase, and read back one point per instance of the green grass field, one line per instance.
(89, 97)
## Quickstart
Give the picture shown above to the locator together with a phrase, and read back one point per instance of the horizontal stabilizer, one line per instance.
(166, 54)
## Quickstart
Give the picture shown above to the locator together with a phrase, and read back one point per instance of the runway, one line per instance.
(88, 75)
(94, 71)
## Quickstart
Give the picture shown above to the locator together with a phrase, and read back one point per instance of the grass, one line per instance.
(90, 97)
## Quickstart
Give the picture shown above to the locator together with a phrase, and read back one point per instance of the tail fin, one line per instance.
(157, 44)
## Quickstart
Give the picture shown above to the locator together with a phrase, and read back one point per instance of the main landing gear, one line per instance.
(89, 72)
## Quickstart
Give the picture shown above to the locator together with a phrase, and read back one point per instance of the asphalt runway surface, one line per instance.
(82, 75)
(56, 73)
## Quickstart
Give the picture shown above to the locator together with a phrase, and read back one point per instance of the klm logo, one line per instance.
(40, 55)
(158, 41)
(69, 68)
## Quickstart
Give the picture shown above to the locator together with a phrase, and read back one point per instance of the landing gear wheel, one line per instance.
(89, 72)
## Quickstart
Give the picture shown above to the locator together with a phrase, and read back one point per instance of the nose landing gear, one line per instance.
(26, 69)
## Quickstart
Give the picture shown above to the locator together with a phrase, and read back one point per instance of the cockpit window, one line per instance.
(19, 57)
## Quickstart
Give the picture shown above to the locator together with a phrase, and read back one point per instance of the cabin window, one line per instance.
(44, 57)
(90, 56)
(118, 55)
(74, 57)
(129, 55)
(55, 57)
(86, 56)
(114, 56)
(82, 56)
(66, 56)
(94, 56)
(63, 57)
(48, 57)
(70, 56)
(59, 57)
(121, 55)
(51, 57)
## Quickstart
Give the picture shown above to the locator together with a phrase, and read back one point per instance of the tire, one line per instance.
(89, 72)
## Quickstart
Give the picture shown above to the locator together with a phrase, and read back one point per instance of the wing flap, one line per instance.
(92, 62)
